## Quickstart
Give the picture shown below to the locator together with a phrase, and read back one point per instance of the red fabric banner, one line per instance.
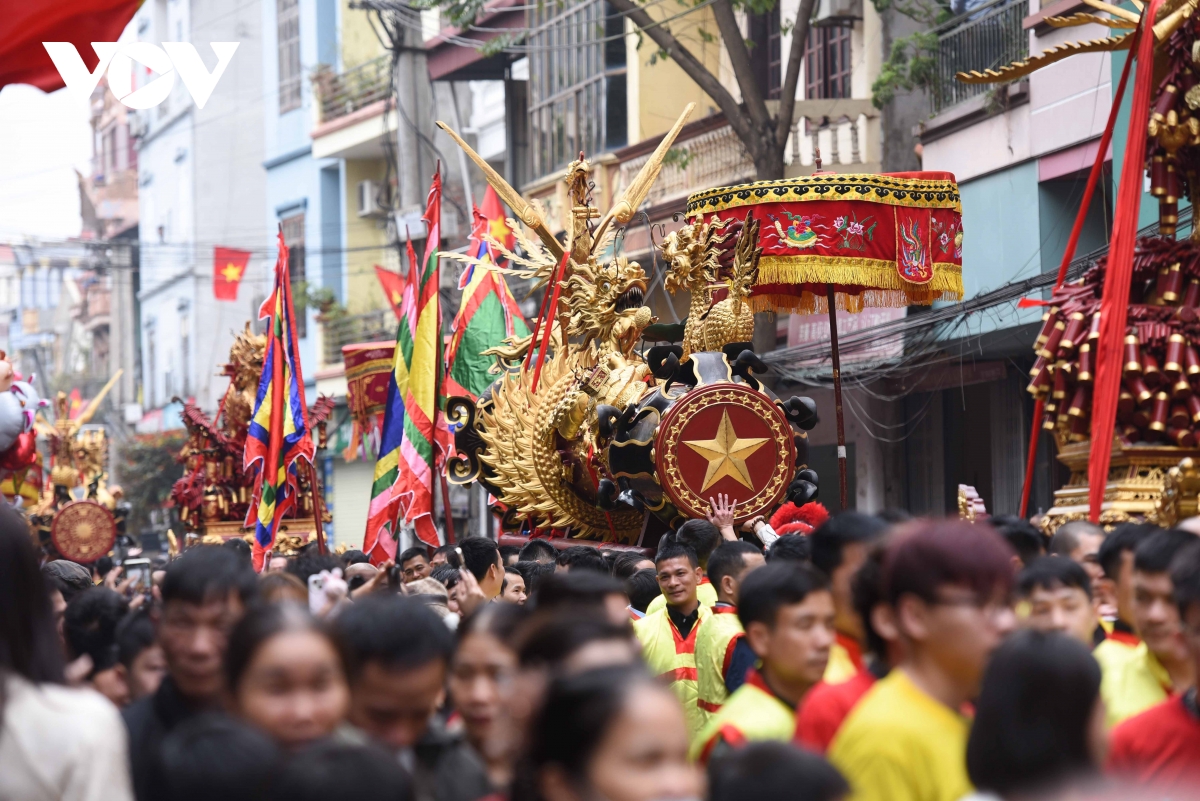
(229, 267)
(393, 288)
(1114, 302)
(25, 25)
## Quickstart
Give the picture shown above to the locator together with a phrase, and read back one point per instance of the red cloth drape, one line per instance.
(1114, 302)
(25, 24)
(1069, 254)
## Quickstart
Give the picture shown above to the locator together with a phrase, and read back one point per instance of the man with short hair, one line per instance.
(581, 557)
(1116, 563)
(1161, 746)
(204, 594)
(441, 556)
(1059, 593)
(90, 625)
(788, 615)
(140, 660)
(826, 706)
(668, 636)
(481, 556)
(1022, 537)
(510, 555)
(723, 656)
(839, 548)
(703, 538)
(1080, 541)
(948, 586)
(414, 564)
(398, 653)
(538, 551)
(1159, 665)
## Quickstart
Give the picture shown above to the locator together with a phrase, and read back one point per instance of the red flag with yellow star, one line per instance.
(393, 288)
(493, 211)
(229, 266)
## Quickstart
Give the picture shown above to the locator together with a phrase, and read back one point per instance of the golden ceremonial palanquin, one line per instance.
(214, 493)
(585, 438)
(1152, 474)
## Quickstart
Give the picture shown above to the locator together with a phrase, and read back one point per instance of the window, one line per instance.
(827, 63)
(766, 52)
(293, 236)
(289, 54)
(577, 88)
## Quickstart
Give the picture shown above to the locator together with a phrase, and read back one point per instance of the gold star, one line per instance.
(396, 298)
(726, 454)
(232, 272)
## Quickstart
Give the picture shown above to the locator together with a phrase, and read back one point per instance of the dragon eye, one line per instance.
(604, 287)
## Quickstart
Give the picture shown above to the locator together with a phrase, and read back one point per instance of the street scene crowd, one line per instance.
(872, 657)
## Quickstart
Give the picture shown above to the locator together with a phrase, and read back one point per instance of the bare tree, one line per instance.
(764, 136)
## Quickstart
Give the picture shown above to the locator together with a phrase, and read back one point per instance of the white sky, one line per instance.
(43, 139)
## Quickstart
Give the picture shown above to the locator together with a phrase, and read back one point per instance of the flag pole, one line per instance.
(317, 510)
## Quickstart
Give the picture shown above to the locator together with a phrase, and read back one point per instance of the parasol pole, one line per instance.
(837, 395)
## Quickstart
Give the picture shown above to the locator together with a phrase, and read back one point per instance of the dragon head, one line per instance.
(605, 301)
(692, 254)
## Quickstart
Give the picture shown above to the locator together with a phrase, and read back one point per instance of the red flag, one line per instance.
(25, 25)
(393, 287)
(229, 266)
(493, 211)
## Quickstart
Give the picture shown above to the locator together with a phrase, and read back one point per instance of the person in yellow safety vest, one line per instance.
(787, 611)
(668, 636)
(1160, 666)
(702, 537)
(839, 548)
(722, 655)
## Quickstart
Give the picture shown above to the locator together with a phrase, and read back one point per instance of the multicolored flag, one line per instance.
(278, 436)
(493, 211)
(488, 312)
(404, 472)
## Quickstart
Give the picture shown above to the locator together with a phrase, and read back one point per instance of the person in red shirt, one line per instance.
(839, 548)
(1161, 746)
(827, 705)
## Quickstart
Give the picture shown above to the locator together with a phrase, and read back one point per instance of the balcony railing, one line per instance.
(986, 37)
(714, 158)
(342, 93)
(373, 326)
(837, 128)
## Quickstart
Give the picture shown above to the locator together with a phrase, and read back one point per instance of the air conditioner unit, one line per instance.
(833, 13)
(368, 199)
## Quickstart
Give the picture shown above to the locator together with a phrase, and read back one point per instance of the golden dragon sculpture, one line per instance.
(541, 438)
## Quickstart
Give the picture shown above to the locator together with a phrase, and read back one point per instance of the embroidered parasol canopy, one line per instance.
(889, 240)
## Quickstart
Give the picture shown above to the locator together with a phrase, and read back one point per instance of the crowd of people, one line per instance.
(875, 657)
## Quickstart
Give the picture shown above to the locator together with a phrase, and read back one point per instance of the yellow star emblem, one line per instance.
(498, 228)
(396, 298)
(232, 272)
(726, 454)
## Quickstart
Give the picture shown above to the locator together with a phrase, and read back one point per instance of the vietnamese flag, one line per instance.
(393, 288)
(229, 266)
(25, 25)
(493, 211)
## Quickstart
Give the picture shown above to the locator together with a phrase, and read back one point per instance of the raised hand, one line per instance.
(721, 513)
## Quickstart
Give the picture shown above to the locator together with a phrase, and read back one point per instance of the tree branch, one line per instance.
(787, 96)
(739, 59)
(690, 65)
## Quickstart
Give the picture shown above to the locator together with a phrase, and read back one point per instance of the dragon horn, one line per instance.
(86, 414)
(525, 211)
(639, 187)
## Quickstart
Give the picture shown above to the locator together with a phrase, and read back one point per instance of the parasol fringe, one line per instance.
(810, 303)
(852, 271)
